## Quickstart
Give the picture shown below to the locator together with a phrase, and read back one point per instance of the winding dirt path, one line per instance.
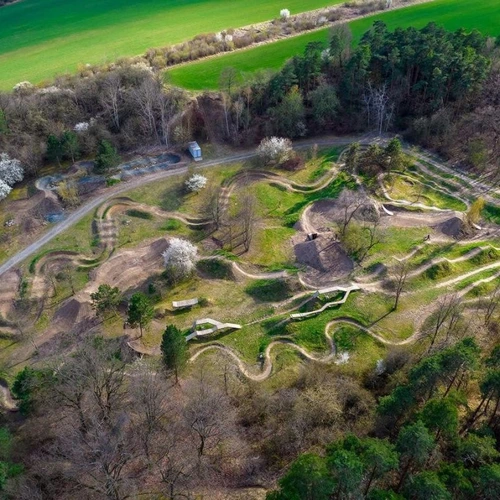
(259, 276)
(267, 362)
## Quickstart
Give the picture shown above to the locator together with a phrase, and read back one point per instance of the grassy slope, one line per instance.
(41, 38)
(453, 14)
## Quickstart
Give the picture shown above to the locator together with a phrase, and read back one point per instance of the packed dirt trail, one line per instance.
(267, 363)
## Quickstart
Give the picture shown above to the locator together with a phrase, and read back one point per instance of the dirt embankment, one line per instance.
(9, 290)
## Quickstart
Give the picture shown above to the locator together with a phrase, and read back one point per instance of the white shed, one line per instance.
(195, 151)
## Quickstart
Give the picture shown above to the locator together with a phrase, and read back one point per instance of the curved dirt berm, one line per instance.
(128, 269)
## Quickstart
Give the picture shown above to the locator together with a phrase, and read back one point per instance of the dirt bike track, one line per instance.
(105, 209)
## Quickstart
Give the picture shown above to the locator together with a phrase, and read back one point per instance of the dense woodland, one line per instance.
(424, 424)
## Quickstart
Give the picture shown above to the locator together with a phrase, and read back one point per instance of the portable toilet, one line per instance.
(195, 151)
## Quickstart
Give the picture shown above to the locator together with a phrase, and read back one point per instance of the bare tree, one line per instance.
(226, 106)
(169, 105)
(239, 107)
(229, 80)
(446, 317)
(378, 106)
(247, 217)
(400, 275)
(95, 442)
(110, 97)
(97, 459)
(149, 402)
(374, 237)
(146, 97)
(247, 92)
(349, 202)
(173, 459)
(105, 376)
(208, 415)
(215, 207)
(71, 390)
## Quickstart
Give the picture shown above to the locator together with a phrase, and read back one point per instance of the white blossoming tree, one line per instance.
(284, 13)
(180, 258)
(196, 183)
(5, 189)
(23, 87)
(81, 127)
(11, 172)
(275, 150)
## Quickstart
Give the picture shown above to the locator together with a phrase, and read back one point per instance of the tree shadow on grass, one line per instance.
(269, 290)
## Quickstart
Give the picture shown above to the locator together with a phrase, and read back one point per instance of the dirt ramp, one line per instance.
(453, 227)
(323, 214)
(47, 205)
(128, 269)
(324, 259)
(74, 316)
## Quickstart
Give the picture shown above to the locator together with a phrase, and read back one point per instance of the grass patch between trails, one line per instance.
(268, 290)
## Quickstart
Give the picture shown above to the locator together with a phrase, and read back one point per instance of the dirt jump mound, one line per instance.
(453, 227)
(74, 316)
(128, 269)
(324, 260)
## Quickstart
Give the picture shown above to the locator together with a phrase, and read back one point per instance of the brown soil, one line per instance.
(48, 204)
(74, 316)
(444, 223)
(324, 259)
(322, 214)
(127, 269)
(8, 292)
(452, 227)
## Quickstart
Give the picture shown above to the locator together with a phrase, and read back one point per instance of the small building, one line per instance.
(195, 151)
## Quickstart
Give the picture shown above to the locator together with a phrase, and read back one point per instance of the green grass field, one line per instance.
(453, 14)
(42, 38)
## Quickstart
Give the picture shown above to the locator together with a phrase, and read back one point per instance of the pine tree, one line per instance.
(174, 350)
(55, 150)
(107, 157)
(140, 311)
